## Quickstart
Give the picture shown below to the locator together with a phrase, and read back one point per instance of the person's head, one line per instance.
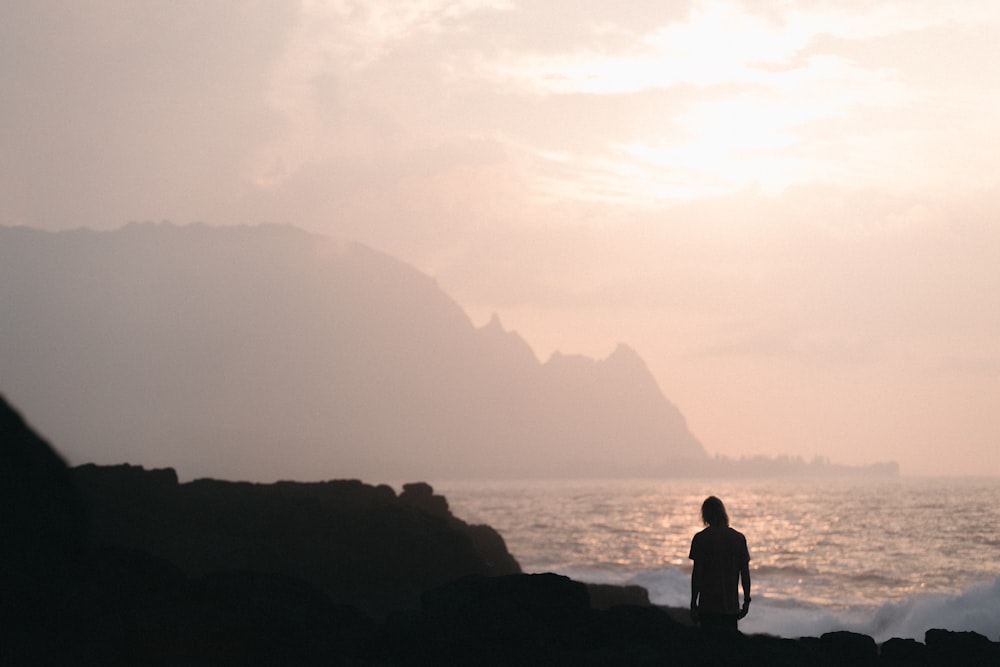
(713, 512)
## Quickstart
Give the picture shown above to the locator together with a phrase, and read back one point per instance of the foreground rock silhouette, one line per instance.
(124, 566)
(361, 545)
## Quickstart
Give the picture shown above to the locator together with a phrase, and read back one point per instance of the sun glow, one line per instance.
(718, 44)
(755, 139)
(751, 101)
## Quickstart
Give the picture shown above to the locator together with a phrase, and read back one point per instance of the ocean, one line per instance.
(887, 557)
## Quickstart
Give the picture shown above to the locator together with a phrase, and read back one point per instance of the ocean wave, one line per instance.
(875, 580)
(975, 609)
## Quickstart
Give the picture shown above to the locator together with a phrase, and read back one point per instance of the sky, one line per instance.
(788, 208)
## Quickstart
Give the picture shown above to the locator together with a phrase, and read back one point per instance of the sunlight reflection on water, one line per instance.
(839, 544)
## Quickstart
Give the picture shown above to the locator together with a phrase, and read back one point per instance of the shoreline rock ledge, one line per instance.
(118, 565)
(361, 545)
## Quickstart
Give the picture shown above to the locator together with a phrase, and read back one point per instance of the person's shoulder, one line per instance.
(736, 534)
(701, 534)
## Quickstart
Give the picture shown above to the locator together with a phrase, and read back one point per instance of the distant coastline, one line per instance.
(779, 466)
(724, 467)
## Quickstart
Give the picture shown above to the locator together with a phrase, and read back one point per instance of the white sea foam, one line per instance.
(977, 609)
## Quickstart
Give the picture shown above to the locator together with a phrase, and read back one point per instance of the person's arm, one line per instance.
(696, 574)
(745, 580)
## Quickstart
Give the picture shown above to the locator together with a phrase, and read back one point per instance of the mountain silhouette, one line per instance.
(267, 353)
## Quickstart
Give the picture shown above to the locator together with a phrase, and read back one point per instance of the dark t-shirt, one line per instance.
(721, 553)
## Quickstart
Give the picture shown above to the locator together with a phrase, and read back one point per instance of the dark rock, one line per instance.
(961, 648)
(521, 592)
(533, 608)
(41, 511)
(631, 626)
(511, 619)
(421, 495)
(493, 549)
(130, 575)
(901, 652)
(361, 544)
(849, 647)
(769, 651)
(271, 619)
(605, 596)
(106, 616)
(44, 539)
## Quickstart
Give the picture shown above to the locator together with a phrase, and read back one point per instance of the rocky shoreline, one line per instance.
(118, 565)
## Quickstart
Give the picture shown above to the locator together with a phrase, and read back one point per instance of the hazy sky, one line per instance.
(788, 208)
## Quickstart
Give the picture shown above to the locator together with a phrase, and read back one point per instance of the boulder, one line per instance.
(948, 647)
(903, 652)
(849, 648)
(605, 596)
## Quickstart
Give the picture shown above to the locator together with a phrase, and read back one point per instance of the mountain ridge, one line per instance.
(270, 352)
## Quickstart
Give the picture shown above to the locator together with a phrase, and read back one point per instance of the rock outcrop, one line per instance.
(43, 533)
(361, 544)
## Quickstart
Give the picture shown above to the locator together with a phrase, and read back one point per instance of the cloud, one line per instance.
(204, 113)
(800, 107)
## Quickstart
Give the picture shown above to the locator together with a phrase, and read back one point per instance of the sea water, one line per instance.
(889, 558)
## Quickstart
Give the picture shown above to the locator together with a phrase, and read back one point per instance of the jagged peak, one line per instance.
(494, 323)
(625, 355)
(494, 330)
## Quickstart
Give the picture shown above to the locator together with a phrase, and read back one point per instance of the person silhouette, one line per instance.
(721, 560)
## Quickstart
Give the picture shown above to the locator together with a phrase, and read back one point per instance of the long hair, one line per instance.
(713, 512)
